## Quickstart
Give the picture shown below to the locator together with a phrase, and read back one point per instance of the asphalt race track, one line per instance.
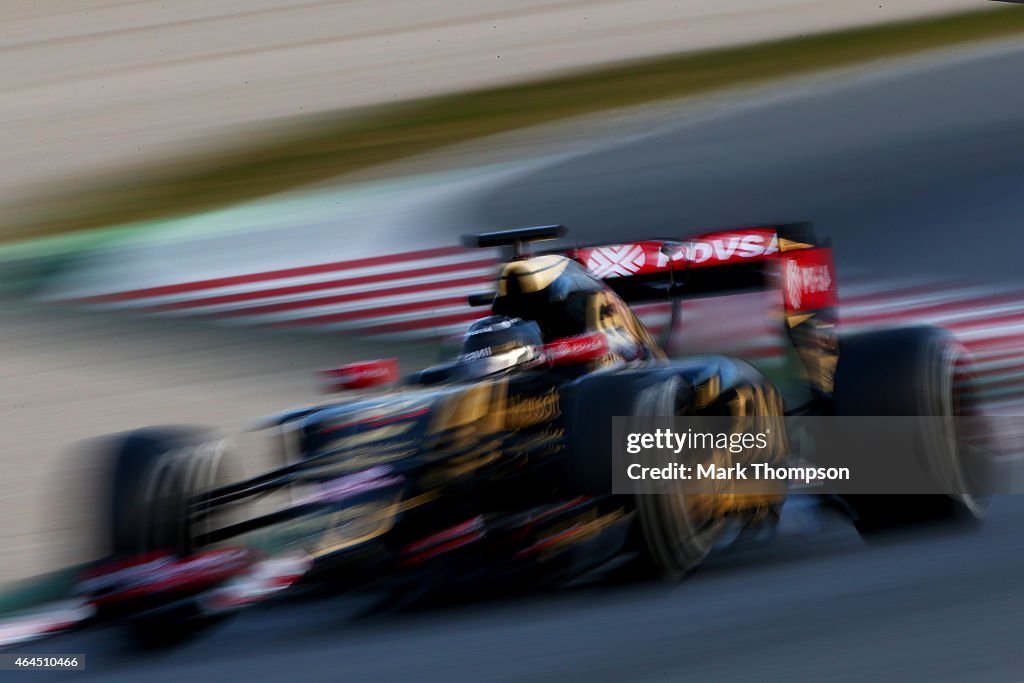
(817, 606)
(916, 172)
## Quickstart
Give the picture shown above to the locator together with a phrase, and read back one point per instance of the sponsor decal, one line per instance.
(616, 261)
(479, 354)
(729, 247)
(496, 327)
(807, 280)
(713, 249)
(581, 349)
(524, 411)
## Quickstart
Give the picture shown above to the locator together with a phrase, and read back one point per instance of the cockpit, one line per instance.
(544, 300)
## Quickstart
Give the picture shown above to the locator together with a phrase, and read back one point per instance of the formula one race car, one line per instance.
(496, 466)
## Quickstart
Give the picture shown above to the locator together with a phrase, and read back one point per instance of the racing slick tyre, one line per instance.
(680, 528)
(912, 371)
(151, 477)
(676, 530)
(152, 474)
(668, 540)
(677, 533)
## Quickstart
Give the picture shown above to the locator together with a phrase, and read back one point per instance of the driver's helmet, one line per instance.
(498, 343)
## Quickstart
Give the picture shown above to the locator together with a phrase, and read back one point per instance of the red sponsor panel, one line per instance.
(163, 573)
(808, 280)
(656, 256)
(731, 246)
(362, 375)
(622, 260)
(582, 349)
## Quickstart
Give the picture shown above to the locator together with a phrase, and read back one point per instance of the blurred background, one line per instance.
(204, 203)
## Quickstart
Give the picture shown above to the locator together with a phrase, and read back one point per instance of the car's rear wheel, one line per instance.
(913, 371)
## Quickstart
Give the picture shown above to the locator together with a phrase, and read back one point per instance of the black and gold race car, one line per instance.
(496, 466)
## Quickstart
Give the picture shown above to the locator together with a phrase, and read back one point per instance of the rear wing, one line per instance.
(724, 262)
(786, 256)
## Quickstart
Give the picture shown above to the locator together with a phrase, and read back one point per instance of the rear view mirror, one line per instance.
(361, 375)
